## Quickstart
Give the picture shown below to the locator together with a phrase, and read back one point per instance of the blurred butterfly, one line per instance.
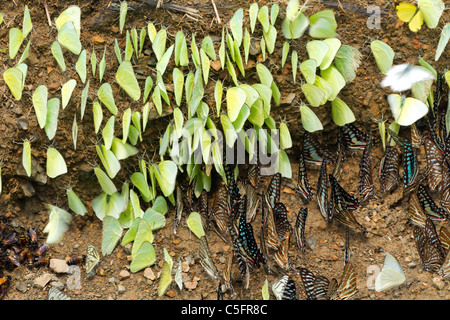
(429, 206)
(445, 188)
(92, 258)
(299, 229)
(55, 294)
(347, 286)
(179, 208)
(313, 151)
(252, 202)
(317, 287)
(5, 282)
(389, 169)
(402, 77)
(429, 11)
(390, 276)
(253, 173)
(351, 137)
(366, 187)
(303, 187)
(206, 260)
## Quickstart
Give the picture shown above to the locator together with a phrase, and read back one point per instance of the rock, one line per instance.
(170, 293)
(123, 275)
(21, 287)
(27, 189)
(59, 266)
(97, 39)
(148, 273)
(255, 47)
(185, 266)
(42, 280)
(438, 283)
(120, 289)
(22, 123)
(412, 265)
(57, 284)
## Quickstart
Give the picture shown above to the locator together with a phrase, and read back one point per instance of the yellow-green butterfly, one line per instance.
(55, 163)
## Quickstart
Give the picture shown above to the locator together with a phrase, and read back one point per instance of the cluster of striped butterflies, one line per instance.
(18, 248)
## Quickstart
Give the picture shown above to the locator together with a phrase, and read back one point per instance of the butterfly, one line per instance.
(252, 202)
(281, 256)
(403, 76)
(92, 258)
(290, 291)
(323, 185)
(299, 229)
(431, 251)
(303, 187)
(232, 185)
(282, 225)
(56, 294)
(245, 231)
(317, 287)
(340, 197)
(179, 208)
(273, 191)
(273, 240)
(416, 136)
(389, 169)
(279, 285)
(445, 188)
(366, 187)
(435, 159)
(352, 138)
(203, 208)
(406, 110)
(227, 273)
(206, 260)
(429, 11)
(429, 206)
(390, 276)
(313, 151)
(253, 173)
(417, 215)
(409, 159)
(221, 209)
(347, 286)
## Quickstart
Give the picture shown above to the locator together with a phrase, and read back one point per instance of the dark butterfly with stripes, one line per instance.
(352, 138)
(389, 169)
(313, 151)
(282, 225)
(253, 174)
(445, 188)
(273, 191)
(317, 287)
(416, 136)
(366, 187)
(340, 197)
(253, 201)
(206, 260)
(281, 256)
(299, 229)
(290, 291)
(227, 274)
(221, 209)
(409, 159)
(203, 208)
(429, 247)
(273, 240)
(435, 160)
(323, 186)
(347, 286)
(246, 235)
(429, 206)
(303, 187)
(417, 215)
(233, 188)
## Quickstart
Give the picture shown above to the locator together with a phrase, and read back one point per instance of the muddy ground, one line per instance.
(25, 199)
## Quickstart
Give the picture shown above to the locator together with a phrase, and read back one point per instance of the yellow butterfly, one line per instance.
(429, 11)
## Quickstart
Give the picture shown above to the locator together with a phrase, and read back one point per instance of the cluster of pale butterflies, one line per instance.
(237, 203)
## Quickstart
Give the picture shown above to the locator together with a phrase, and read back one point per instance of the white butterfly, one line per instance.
(390, 276)
(56, 294)
(408, 110)
(92, 258)
(402, 77)
(279, 285)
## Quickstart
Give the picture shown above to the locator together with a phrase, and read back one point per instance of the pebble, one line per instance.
(412, 265)
(148, 273)
(123, 275)
(120, 289)
(27, 189)
(22, 123)
(438, 283)
(170, 293)
(21, 287)
(57, 284)
(42, 280)
(59, 266)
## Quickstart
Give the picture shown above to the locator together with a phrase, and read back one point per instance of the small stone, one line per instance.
(42, 280)
(21, 287)
(22, 123)
(27, 188)
(412, 265)
(438, 283)
(148, 273)
(123, 275)
(185, 266)
(97, 39)
(57, 284)
(120, 289)
(170, 293)
(59, 266)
